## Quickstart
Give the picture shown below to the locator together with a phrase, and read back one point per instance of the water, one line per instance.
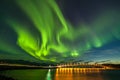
(60, 74)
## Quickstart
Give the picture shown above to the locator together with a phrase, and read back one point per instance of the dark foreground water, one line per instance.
(60, 74)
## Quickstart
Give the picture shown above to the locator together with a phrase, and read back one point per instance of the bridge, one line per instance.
(83, 65)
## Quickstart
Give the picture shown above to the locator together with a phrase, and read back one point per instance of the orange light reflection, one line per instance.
(78, 74)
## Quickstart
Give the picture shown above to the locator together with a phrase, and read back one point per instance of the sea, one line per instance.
(61, 74)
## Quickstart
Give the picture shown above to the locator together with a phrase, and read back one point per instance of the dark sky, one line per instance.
(86, 11)
(101, 19)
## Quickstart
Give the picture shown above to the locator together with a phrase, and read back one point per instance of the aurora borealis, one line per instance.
(42, 28)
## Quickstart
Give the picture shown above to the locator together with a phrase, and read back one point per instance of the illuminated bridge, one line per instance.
(83, 65)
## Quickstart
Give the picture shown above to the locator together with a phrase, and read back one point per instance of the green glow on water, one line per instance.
(48, 77)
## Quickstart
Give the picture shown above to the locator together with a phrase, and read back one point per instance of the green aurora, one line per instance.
(55, 36)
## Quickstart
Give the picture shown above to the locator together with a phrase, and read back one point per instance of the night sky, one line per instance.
(60, 30)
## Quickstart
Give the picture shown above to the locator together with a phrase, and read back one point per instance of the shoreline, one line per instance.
(4, 67)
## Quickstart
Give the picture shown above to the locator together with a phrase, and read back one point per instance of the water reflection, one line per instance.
(61, 74)
(48, 77)
(78, 74)
(29, 74)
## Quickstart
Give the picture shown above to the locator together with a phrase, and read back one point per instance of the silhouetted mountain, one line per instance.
(112, 65)
(22, 62)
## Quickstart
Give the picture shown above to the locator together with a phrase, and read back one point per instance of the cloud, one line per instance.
(112, 54)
